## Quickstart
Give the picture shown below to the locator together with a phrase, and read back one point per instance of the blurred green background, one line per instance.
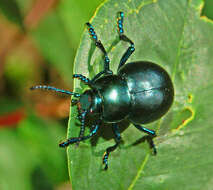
(38, 42)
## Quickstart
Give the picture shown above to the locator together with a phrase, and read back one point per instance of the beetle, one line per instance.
(140, 92)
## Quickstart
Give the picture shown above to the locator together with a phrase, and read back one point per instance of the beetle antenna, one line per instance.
(56, 90)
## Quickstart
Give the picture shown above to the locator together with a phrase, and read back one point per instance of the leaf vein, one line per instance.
(180, 43)
(139, 172)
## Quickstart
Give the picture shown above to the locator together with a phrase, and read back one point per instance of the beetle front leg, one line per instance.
(82, 129)
(149, 138)
(117, 134)
(78, 139)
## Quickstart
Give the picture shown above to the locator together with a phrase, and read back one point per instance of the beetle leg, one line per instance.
(117, 134)
(145, 130)
(97, 76)
(82, 129)
(123, 37)
(78, 139)
(151, 144)
(99, 44)
(149, 138)
(82, 78)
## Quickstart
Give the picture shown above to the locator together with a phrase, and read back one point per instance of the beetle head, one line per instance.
(90, 102)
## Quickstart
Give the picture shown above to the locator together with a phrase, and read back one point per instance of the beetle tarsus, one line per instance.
(152, 146)
(117, 134)
(78, 139)
(123, 37)
(82, 129)
(99, 44)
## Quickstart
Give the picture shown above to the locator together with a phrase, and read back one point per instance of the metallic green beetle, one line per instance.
(141, 92)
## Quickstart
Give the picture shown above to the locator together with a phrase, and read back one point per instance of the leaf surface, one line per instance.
(173, 35)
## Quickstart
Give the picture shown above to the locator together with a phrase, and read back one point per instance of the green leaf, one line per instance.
(29, 150)
(172, 34)
(74, 14)
(53, 41)
(208, 9)
(58, 34)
